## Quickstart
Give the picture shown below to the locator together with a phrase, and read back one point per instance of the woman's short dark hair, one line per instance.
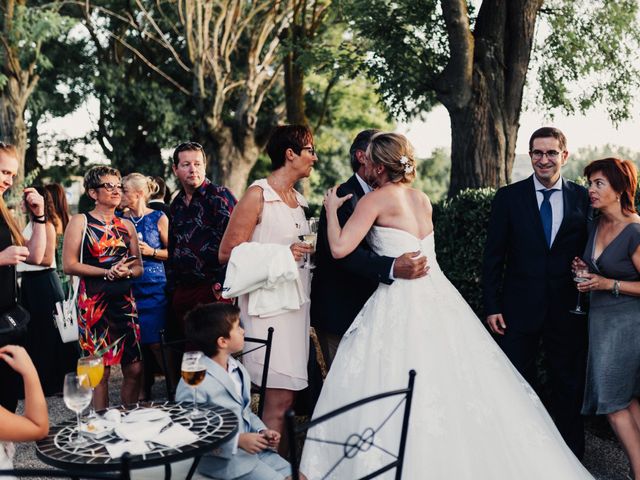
(206, 323)
(284, 137)
(93, 178)
(623, 177)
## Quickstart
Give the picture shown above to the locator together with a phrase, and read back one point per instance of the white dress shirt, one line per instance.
(556, 201)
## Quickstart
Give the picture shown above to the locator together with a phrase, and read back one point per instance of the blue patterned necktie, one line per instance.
(546, 214)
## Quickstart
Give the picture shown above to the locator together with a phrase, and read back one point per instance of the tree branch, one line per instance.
(453, 86)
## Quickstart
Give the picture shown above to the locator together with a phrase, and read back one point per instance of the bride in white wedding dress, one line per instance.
(473, 416)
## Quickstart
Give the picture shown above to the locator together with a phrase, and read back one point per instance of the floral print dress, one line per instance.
(108, 320)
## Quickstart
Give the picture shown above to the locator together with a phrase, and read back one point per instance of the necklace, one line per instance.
(134, 221)
(291, 210)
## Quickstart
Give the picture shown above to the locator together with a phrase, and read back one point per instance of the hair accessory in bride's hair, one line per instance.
(408, 168)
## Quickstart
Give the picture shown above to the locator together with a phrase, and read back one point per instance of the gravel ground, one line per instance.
(603, 458)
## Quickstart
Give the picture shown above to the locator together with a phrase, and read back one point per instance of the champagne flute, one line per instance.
(77, 396)
(93, 367)
(310, 239)
(579, 276)
(193, 372)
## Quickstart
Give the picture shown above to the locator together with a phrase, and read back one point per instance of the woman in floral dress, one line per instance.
(108, 317)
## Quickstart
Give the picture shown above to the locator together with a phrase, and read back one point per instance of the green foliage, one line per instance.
(404, 44)
(578, 160)
(433, 174)
(460, 233)
(33, 26)
(590, 56)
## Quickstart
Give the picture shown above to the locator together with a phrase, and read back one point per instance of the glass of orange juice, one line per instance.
(93, 368)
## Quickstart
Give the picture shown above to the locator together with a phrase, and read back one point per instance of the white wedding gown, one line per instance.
(473, 416)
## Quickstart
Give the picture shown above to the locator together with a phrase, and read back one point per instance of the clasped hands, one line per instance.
(256, 442)
(118, 270)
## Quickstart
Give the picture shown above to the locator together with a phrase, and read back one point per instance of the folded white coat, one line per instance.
(269, 274)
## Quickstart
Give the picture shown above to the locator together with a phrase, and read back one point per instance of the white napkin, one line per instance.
(134, 448)
(141, 431)
(176, 436)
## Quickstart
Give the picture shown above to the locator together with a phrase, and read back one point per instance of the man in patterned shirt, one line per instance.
(199, 216)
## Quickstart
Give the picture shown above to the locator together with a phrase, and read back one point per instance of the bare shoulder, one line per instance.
(76, 220)
(252, 195)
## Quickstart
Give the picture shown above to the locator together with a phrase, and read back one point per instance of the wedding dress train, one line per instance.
(473, 416)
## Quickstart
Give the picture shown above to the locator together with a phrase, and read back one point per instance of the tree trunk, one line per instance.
(484, 123)
(482, 143)
(294, 79)
(31, 153)
(233, 156)
(12, 126)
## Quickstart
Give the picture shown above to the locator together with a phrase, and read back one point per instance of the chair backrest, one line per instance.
(123, 474)
(178, 346)
(349, 452)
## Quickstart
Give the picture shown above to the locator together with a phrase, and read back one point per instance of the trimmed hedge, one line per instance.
(460, 232)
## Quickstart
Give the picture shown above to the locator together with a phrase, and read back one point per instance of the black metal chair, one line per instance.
(356, 442)
(177, 346)
(76, 474)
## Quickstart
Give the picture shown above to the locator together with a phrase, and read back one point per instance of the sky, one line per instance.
(592, 130)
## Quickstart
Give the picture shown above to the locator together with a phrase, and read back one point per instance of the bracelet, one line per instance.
(105, 275)
(616, 288)
(155, 252)
(40, 219)
(130, 273)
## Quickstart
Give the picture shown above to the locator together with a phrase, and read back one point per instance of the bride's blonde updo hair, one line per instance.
(394, 152)
(141, 183)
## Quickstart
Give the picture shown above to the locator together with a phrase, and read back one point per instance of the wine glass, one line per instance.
(93, 367)
(193, 372)
(77, 396)
(579, 276)
(310, 238)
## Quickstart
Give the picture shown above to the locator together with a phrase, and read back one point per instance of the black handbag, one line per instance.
(14, 322)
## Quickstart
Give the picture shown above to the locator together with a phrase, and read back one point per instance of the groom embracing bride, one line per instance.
(473, 416)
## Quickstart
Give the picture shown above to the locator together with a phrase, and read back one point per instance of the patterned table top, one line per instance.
(215, 426)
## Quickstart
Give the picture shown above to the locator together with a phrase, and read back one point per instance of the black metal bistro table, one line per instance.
(214, 427)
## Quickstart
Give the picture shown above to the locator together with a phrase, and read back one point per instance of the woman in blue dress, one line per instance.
(148, 290)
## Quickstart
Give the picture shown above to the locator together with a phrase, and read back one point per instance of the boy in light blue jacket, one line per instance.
(215, 329)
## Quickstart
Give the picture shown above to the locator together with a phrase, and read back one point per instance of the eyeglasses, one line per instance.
(110, 187)
(551, 154)
(312, 150)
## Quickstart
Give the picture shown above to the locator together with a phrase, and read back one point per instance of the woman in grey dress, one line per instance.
(613, 258)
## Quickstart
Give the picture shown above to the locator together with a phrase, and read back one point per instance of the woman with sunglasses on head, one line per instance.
(152, 227)
(108, 317)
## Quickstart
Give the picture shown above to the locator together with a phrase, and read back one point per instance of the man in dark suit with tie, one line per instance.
(340, 288)
(537, 227)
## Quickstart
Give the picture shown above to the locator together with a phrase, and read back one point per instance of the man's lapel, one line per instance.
(568, 206)
(354, 185)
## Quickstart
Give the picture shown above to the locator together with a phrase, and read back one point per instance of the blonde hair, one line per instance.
(16, 234)
(395, 153)
(141, 183)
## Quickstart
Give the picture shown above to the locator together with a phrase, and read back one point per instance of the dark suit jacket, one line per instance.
(523, 278)
(340, 288)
